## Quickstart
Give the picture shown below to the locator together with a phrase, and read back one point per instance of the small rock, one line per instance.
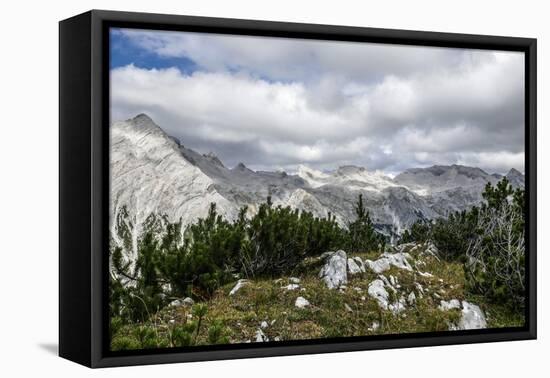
(240, 283)
(425, 274)
(411, 299)
(276, 338)
(261, 336)
(358, 289)
(188, 301)
(294, 280)
(291, 287)
(398, 306)
(264, 325)
(182, 302)
(176, 303)
(301, 302)
(375, 326)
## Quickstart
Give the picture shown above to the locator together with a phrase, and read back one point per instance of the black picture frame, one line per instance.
(84, 185)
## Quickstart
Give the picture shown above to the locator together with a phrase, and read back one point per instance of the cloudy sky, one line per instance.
(276, 103)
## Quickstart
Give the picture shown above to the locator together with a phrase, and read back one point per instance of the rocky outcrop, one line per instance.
(182, 302)
(240, 284)
(355, 265)
(472, 317)
(334, 272)
(377, 290)
(387, 259)
(449, 305)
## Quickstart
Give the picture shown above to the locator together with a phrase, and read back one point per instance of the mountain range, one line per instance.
(154, 173)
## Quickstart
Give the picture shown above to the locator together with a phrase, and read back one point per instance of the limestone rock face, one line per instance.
(449, 305)
(387, 259)
(471, 315)
(334, 272)
(355, 265)
(149, 176)
(378, 291)
(378, 266)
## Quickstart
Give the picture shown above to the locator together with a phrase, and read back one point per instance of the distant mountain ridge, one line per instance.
(154, 173)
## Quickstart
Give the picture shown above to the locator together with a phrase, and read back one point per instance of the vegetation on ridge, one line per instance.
(482, 257)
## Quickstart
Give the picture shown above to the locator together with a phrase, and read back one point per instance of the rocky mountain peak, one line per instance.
(144, 121)
(241, 168)
(157, 173)
(213, 158)
(516, 178)
(514, 173)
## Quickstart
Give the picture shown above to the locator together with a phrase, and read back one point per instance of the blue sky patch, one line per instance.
(124, 52)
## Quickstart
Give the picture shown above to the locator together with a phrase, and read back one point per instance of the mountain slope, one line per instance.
(149, 175)
(153, 173)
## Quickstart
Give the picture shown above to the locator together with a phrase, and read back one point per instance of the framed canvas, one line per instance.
(235, 188)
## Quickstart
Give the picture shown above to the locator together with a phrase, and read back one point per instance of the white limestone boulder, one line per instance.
(334, 272)
(472, 317)
(355, 265)
(301, 302)
(378, 291)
